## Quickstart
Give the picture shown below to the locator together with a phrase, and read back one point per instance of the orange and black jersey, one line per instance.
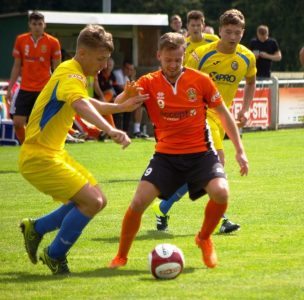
(178, 112)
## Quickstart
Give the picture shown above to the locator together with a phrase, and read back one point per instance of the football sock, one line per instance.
(213, 213)
(71, 228)
(165, 205)
(136, 127)
(20, 133)
(53, 220)
(130, 226)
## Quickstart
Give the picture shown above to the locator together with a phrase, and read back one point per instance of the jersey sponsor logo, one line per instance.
(234, 65)
(222, 77)
(148, 172)
(79, 77)
(216, 62)
(191, 94)
(177, 115)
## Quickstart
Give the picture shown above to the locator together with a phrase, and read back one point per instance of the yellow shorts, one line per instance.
(217, 132)
(54, 173)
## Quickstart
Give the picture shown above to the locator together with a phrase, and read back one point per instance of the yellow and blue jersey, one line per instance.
(191, 46)
(226, 70)
(53, 115)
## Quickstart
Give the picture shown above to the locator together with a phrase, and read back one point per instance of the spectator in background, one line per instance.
(301, 56)
(266, 50)
(196, 36)
(176, 25)
(106, 87)
(127, 73)
(36, 53)
(209, 29)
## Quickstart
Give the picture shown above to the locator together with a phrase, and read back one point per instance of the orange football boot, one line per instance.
(118, 262)
(208, 252)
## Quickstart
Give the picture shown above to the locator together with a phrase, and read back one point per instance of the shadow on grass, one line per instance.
(150, 234)
(22, 277)
(8, 172)
(151, 278)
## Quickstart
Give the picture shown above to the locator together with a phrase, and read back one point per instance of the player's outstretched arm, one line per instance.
(231, 129)
(128, 105)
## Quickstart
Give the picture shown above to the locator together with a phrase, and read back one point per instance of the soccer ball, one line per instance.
(166, 261)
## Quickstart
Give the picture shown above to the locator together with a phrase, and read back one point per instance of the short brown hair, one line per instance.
(175, 17)
(232, 17)
(195, 15)
(36, 15)
(94, 36)
(263, 30)
(171, 40)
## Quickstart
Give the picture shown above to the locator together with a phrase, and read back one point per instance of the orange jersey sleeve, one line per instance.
(178, 112)
(36, 58)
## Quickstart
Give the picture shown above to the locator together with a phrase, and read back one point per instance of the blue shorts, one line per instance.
(168, 172)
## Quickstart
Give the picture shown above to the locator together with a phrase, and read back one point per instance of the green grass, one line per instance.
(265, 260)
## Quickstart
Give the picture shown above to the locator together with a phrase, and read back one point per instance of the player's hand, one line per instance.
(134, 102)
(119, 137)
(242, 118)
(132, 89)
(264, 54)
(243, 163)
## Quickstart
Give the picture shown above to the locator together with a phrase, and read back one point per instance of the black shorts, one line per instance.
(168, 172)
(25, 102)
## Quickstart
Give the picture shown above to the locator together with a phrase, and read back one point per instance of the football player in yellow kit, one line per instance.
(48, 167)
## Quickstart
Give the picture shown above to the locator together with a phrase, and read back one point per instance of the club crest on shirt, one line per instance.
(234, 65)
(43, 48)
(191, 94)
(160, 98)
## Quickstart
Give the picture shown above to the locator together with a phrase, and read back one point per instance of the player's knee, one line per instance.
(99, 203)
(139, 204)
(221, 195)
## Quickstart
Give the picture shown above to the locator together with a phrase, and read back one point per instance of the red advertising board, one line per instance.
(260, 108)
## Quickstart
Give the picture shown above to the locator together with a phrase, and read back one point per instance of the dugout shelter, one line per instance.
(135, 35)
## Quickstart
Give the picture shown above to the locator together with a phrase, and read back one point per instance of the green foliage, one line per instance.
(262, 261)
(284, 18)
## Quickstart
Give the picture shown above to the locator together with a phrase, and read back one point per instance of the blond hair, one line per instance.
(95, 36)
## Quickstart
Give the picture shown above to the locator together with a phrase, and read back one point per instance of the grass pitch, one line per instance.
(264, 260)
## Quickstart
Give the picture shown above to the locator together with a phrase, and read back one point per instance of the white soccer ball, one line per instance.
(166, 261)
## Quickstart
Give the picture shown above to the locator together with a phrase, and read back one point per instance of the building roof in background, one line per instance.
(80, 18)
